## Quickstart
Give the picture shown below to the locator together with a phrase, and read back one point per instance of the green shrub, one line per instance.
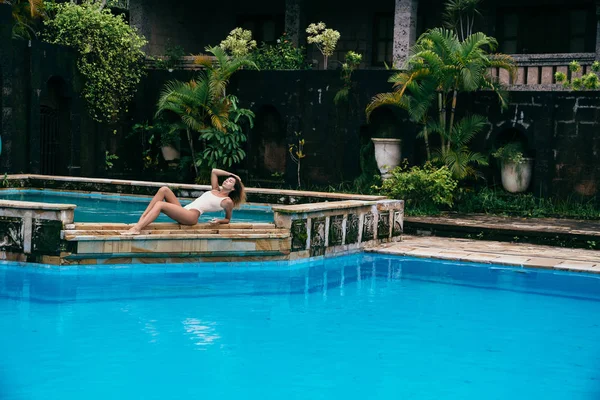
(283, 55)
(110, 54)
(426, 187)
(499, 202)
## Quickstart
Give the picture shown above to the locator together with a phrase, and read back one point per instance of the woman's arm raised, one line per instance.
(214, 177)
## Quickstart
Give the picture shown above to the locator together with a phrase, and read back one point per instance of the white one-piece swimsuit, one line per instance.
(208, 202)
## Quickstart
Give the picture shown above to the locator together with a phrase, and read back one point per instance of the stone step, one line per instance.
(172, 235)
(114, 226)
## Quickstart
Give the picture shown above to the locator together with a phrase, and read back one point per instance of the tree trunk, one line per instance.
(298, 173)
(452, 112)
(189, 136)
(442, 112)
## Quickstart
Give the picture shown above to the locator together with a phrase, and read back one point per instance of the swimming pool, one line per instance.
(97, 207)
(353, 327)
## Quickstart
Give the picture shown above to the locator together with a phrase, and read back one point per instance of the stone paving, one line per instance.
(518, 254)
(543, 226)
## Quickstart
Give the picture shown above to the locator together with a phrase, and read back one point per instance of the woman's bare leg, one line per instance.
(164, 193)
(176, 212)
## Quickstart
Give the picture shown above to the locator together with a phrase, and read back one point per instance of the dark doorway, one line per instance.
(55, 129)
(269, 148)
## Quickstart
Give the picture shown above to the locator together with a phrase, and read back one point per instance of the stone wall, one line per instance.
(40, 89)
(561, 130)
(30, 230)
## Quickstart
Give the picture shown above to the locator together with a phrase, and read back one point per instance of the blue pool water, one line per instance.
(126, 209)
(354, 327)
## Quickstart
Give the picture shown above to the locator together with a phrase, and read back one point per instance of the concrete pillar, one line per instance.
(597, 29)
(405, 29)
(295, 23)
(139, 18)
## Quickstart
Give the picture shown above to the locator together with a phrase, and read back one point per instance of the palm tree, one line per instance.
(25, 13)
(202, 102)
(440, 67)
(460, 16)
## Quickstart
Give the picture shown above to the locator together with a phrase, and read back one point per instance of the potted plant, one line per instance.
(169, 141)
(515, 168)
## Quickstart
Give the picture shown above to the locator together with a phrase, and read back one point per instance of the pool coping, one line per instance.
(492, 252)
(190, 187)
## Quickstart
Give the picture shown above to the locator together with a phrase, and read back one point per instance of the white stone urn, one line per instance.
(387, 155)
(516, 177)
(169, 153)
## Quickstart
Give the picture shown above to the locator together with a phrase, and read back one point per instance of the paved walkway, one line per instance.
(541, 227)
(519, 254)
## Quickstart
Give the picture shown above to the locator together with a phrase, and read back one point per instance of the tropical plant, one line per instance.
(109, 158)
(459, 15)
(324, 38)
(297, 153)
(282, 55)
(238, 43)
(511, 152)
(440, 67)
(352, 62)
(224, 148)
(587, 81)
(110, 54)
(202, 105)
(25, 14)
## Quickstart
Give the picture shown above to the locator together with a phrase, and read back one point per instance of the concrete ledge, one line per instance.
(31, 205)
(491, 252)
(255, 195)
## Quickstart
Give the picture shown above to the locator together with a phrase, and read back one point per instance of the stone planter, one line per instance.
(516, 177)
(169, 153)
(387, 155)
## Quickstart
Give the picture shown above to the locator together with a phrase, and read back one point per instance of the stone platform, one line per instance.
(493, 252)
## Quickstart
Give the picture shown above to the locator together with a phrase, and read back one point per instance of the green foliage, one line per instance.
(425, 186)
(324, 38)
(500, 202)
(442, 66)
(297, 153)
(283, 55)
(352, 62)
(172, 58)
(109, 158)
(110, 54)
(26, 15)
(145, 131)
(202, 106)
(587, 81)
(511, 152)
(238, 43)
(459, 15)
(224, 148)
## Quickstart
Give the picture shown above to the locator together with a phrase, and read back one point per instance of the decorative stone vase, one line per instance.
(169, 153)
(516, 177)
(387, 155)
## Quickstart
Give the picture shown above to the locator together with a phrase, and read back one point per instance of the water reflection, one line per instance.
(203, 333)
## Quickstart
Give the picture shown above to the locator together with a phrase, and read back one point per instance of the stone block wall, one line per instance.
(561, 130)
(30, 231)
